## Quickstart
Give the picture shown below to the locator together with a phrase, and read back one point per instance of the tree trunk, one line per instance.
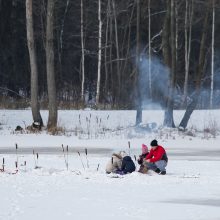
(189, 110)
(106, 48)
(186, 54)
(177, 29)
(112, 84)
(117, 53)
(99, 54)
(168, 116)
(137, 80)
(128, 46)
(187, 48)
(60, 42)
(83, 54)
(166, 37)
(51, 84)
(33, 63)
(149, 51)
(199, 73)
(213, 55)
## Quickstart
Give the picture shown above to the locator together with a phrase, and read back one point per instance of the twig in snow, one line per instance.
(67, 157)
(16, 147)
(86, 152)
(79, 119)
(64, 155)
(97, 168)
(81, 160)
(3, 164)
(36, 160)
(129, 147)
(25, 166)
(135, 158)
(16, 166)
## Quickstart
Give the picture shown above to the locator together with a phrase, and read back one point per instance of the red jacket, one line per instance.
(158, 154)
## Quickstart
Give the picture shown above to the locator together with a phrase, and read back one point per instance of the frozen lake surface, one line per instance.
(44, 188)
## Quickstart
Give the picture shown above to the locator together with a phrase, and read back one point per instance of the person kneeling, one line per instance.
(157, 159)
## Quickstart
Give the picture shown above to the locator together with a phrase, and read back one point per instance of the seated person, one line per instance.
(115, 163)
(142, 157)
(128, 166)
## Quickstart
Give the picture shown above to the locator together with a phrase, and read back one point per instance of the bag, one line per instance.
(143, 169)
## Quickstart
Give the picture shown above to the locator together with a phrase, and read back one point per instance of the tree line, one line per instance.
(108, 54)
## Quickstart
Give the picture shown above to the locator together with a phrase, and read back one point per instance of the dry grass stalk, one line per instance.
(81, 160)
(86, 152)
(129, 148)
(64, 156)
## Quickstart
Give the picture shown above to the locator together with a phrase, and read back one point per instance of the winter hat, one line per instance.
(154, 143)
(144, 149)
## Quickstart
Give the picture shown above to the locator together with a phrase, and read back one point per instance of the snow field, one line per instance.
(53, 192)
(189, 191)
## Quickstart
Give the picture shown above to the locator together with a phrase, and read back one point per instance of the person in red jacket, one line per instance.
(157, 159)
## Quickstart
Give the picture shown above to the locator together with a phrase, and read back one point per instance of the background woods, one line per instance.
(111, 54)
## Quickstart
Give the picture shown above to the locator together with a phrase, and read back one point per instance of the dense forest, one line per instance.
(110, 54)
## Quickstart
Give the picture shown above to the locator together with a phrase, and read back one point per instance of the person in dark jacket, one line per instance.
(127, 166)
(157, 159)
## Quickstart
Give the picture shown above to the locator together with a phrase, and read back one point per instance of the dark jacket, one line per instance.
(141, 158)
(128, 165)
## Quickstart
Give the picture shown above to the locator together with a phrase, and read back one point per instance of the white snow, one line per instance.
(189, 191)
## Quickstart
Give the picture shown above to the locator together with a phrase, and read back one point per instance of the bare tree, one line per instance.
(188, 22)
(169, 51)
(137, 78)
(117, 51)
(62, 26)
(108, 19)
(83, 53)
(213, 54)
(149, 51)
(99, 53)
(51, 85)
(177, 29)
(60, 41)
(33, 63)
(166, 37)
(199, 72)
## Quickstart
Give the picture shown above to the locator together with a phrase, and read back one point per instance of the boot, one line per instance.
(162, 172)
(157, 170)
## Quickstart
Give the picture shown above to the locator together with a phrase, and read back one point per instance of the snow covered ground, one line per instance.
(190, 190)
